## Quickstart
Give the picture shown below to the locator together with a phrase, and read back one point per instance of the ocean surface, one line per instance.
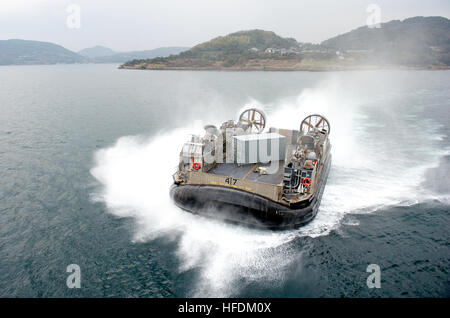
(86, 158)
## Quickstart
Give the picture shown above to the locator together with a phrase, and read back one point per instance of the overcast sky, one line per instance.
(125, 25)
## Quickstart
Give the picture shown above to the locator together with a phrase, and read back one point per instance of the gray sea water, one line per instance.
(86, 158)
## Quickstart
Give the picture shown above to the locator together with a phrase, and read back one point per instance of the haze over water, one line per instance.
(86, 158)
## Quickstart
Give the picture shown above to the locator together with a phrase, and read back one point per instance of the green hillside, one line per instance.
(240, 42)
(230, 50)
(419, 42)
(35, 52)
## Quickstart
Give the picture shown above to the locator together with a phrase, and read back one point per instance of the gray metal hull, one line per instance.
(236, 206)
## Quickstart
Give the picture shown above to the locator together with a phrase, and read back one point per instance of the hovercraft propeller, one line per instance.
(315, 123)
(255, 118)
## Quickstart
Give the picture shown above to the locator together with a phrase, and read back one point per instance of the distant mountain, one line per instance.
(18, 52)
(241, 41)
(417, 31)
(35, 52)
(414, 41)
(148, 54)
(96, 51)
(419, 42)
(252, 49)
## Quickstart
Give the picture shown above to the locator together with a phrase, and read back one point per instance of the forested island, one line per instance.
(414, 43)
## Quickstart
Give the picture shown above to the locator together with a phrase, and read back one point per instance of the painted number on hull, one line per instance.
(230, 181)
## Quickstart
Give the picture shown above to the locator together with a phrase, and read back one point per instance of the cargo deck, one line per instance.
(245, 172)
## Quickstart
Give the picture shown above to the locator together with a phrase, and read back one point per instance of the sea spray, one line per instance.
(367, 173)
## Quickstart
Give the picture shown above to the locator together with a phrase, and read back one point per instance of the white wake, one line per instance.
(368, 172)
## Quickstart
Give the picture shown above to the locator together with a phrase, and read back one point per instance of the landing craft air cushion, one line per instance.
(243, 175)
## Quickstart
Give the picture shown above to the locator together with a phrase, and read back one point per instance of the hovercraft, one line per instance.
(241, 174)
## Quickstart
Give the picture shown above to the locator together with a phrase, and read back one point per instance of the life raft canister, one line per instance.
(306, 182)
(196, 165)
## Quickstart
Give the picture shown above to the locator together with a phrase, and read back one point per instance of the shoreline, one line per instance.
(304, 69)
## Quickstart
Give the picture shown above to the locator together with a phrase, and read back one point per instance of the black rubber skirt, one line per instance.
(236, 206)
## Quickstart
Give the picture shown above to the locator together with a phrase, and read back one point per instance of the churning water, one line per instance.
(389, 132)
